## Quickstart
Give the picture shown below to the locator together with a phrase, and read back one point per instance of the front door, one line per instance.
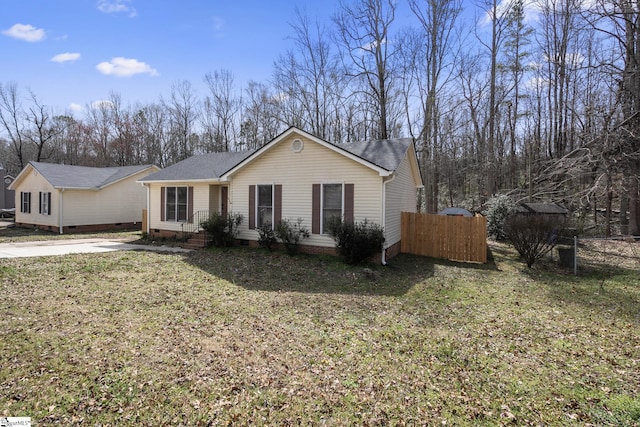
(224, 199)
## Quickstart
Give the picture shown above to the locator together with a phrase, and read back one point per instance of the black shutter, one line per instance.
(315, 209)
(252, 207)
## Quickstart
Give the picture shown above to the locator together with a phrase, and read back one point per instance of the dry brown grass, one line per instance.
(249, 337)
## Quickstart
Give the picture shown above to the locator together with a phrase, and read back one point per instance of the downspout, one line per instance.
(383, 258)
(148, 187)
(61, 212)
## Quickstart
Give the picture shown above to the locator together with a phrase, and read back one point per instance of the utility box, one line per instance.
(566, 255)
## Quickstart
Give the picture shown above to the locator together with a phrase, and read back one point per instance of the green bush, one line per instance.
(222, 230)
(500, 208)
(533, 236)
(356, 241)
(266, 236)
(291, 234)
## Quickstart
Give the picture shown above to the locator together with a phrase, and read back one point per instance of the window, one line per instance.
(176, 204)
(328, 201)
(265, 205)
(25, 202)
(45, 203)
(331, 204)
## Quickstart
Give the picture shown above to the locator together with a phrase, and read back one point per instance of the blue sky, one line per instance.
(74, 52)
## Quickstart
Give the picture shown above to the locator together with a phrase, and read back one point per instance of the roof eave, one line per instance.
(170, 181)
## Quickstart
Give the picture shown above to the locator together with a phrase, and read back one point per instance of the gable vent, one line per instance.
(297, 145)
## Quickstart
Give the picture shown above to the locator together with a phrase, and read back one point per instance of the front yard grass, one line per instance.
(247, 337)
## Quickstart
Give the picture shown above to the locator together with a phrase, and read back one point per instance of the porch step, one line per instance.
(196, 241)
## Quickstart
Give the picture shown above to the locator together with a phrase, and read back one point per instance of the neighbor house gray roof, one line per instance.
(543, 208)
(386, 153)
(200, 167)
(82, 177)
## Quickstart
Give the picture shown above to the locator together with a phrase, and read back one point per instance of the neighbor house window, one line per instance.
(45, 203)
(265, 205)
(25, 202)
(331, 204)
(176, 204)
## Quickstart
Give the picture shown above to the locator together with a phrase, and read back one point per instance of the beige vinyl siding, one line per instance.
(297, 172)
(200, 203)
(121, 202)
(34, 183)
(400, 197)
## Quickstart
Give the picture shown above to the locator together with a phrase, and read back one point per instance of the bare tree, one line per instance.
(364, 32)
(260, 122)
(437, 19)
(43, 127)
(308, 74)
(13, 120)
(182, 107)
(99, 122)
(220, 110)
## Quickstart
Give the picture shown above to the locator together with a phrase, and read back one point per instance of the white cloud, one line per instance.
(102, 103)
(116, 6)
(66, 57)
(76, 108)
(125, 67)
(25, 32)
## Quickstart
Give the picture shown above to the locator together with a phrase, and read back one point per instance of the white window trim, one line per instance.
(44, 202)
(341, 184)
(25, 201)
(273, 203)
(166, 203)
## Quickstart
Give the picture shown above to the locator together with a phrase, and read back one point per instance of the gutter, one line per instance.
(148, 208)
(61, 212)
(383, 257)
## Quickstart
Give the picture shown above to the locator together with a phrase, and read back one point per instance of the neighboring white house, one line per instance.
(66, 198)
(296, 175)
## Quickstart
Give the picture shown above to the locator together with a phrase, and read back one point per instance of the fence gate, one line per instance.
(455, 238)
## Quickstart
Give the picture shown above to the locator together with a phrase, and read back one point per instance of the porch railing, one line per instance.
(193, 223)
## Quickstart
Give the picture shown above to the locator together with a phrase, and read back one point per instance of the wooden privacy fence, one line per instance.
(145, 218)
(456, 238)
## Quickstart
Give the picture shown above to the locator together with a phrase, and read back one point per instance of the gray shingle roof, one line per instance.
(544, 208)
(203, 166)
(82, 177)
(387, 153)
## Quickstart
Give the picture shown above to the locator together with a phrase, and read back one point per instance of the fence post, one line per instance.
(575, 255)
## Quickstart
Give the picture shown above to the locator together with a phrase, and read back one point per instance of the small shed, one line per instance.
(542, 209)
(455, 212)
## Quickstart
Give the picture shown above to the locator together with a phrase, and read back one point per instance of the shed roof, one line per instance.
(544, 208)
(83, 177)
(455, 212)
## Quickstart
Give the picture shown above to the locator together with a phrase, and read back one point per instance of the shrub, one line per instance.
(267, 236)
(291, 233)
(222, 230)
(357, 241)
(533, 236)
(500, 208)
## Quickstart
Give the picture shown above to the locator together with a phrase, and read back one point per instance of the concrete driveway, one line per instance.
(75, 246)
